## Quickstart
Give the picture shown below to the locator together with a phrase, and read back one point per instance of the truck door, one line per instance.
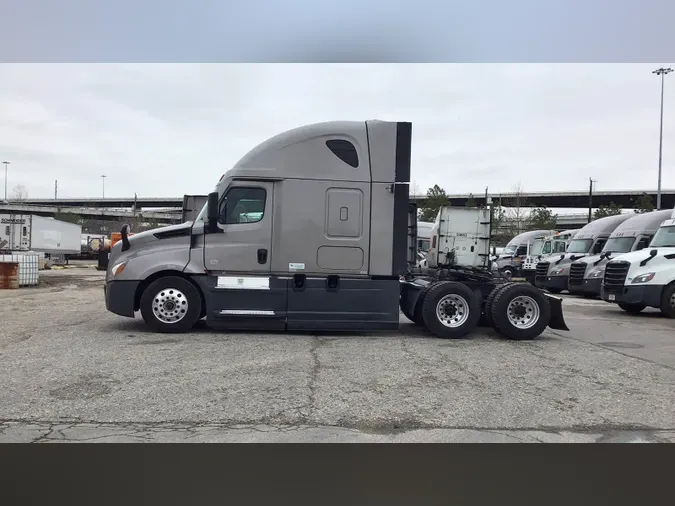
(238, 259)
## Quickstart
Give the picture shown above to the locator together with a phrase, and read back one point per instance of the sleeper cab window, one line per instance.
(345, 151)
(243, 205)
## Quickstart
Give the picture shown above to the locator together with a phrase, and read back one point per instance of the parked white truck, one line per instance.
(544, 246)
(553, 272)
(644, 278)
(510, 262)
(341, 261)
(633, 234)
(29, 232)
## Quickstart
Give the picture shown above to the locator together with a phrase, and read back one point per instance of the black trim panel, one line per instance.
(403, 151)
(355, 304)
(168, 234)
(399, 254)
(219, 299)
(120, 296)
(649, 295)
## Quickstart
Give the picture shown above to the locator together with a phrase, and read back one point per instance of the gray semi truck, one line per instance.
(633, 234)
(553, 272)
(313, 230)
(511, 260)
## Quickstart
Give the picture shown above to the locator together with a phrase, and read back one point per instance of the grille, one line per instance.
(542, 268)
(577, 271)
(615, 276)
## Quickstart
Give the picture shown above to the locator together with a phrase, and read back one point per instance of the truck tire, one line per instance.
(631, 308)
(418, 317)
(171, 304)
(486, 317)
(520, 312)
(450, 310)
(668, 301)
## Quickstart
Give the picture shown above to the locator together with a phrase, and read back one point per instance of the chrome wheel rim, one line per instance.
(523, 312)
(169, 305)
(452, 310)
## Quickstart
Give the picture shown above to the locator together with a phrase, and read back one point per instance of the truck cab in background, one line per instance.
(633, 234)
(511, 260)
(543, 247)
(644, 278)
(553, 273)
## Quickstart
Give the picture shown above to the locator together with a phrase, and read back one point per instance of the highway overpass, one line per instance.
(572, 200)
(90, 213)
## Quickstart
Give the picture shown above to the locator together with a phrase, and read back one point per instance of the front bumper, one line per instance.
(649, 295)
(120, 297)
(554, 282)
(589, 286)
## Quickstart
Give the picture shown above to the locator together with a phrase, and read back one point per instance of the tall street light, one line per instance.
(660, 72)
(6, 164)
(103, 179)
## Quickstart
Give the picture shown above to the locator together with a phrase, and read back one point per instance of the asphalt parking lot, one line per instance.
(74, 372)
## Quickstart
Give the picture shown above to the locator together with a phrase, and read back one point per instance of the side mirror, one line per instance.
(653, 253)
(212, 211)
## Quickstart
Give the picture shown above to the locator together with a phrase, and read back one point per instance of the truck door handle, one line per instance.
(262, 256)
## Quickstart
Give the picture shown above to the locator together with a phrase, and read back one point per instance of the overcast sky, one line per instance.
(172, 129)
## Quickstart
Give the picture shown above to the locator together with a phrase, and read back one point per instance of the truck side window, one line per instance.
(522, 250)
(345, 151)
(243, 205)
(597, 247)
(547, 248)
(644, 242)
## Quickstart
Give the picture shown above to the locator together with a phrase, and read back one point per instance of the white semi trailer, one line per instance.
(29, 232)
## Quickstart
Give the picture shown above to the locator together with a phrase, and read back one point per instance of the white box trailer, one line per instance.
(29, 232)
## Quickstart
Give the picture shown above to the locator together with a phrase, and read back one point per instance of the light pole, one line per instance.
(6, 164)
(660, 72)
(103, 179)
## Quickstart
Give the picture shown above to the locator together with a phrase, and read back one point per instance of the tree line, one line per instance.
(514, 215)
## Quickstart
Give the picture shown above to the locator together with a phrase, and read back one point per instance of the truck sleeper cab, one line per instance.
(644, 278)
(512, 257)
(553, 273)
(543, 247)
(312, 230)
(633, 234)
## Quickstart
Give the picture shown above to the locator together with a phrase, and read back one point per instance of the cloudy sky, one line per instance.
(172, 129)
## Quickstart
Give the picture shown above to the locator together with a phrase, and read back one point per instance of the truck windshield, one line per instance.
(509, 249)
(580, 245)
(664, 238)
(559, 246)
(619, 245)
(537, 247)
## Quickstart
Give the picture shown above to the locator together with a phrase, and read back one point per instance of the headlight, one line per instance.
(117, 268)
(644, 278)
(557, 271)
(596, 273)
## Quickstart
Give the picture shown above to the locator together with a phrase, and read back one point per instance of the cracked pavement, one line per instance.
(74, 372)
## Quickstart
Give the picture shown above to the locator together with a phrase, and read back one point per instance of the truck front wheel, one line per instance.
(520, 312)
(668, 301)
(171, 304)
(450, 310)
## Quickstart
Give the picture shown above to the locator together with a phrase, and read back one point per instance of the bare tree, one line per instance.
(415, 189)
(19, 192)
(516, 211)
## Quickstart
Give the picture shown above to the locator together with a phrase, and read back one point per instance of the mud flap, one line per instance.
(557, 321)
